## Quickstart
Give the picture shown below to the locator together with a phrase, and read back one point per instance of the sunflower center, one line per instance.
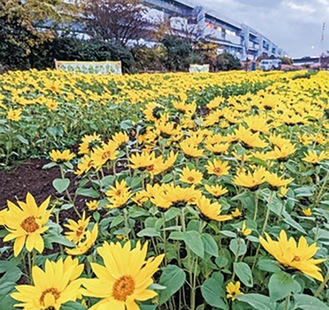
(80, 231)
(123, 287)
(217, 170)
(296, 259)
(150, 168)
(190, 179)
(118, 192)
(48, 298)
(29, 224)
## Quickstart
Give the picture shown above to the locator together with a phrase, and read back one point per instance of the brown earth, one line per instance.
(30, 177)
(27, 177)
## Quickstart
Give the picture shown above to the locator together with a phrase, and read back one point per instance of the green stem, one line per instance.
(189, 263)
(193, 289)
(236, 257)
(256, 207)
(322, 285)
(318, 197)
(68, 193)
(286, 304)
(126, 218)
(263, 230)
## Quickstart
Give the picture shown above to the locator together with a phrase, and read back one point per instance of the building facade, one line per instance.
(200, 22)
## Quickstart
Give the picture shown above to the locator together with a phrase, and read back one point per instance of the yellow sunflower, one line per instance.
(191, 176)
(190, 149)
(293, 255)
(218, 167)
(85, 165)
(14, 115)
(25, 223)
(92, 205)
(211, 211)
(275, 181)
(118, 195)
(216, 190)
(313, 157)
(233, 290)
(77, 230)
(58, 156)
(85, 244)
(53, 287)
(89, 142)
(124, 278)
(120, 138)
(250, 180)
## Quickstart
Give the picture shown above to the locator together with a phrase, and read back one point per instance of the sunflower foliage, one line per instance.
(214, 195)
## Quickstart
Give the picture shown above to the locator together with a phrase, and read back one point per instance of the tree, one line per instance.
(208, 50)
(116, 20)
(226, 62)
(178, 52)
(29, 23)
(150, 58)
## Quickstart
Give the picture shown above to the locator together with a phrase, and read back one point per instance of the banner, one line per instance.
(199, 68)
(92, 67)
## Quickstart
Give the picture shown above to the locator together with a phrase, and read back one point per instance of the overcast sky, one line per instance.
(295, 25)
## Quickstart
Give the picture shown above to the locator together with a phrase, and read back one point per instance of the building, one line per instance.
(189, 18)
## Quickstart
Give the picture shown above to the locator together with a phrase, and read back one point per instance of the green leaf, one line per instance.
(127, 124)
(176, 235)
(61, 185)
(307, 302)
(22, 139)
(6, 302)
(49, 165)
(257, 301)
(288, 219)
(243, 272)
(275, 205)
(193, 241)
(87, 192)
(52, 238)
(71, 305)
(107, 181)
(210, 245)
(212, 292)
(171, 213)
(117, 220)
(280, 285)
(6, 265)
(147, 307)
(221, 261)
(172, 278)
(135, 212)
(228, 233)
(148, 232)
(167, 178)
(238, 247)
(135, 182)
(268, 265)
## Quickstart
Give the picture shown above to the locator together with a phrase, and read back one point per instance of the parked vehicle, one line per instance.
(270, 64)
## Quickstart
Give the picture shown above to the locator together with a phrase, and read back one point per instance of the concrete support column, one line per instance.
(200, 14)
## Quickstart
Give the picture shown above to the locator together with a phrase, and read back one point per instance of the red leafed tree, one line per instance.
(117, 20)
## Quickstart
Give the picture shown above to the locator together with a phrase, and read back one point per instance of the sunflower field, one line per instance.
(200, 191)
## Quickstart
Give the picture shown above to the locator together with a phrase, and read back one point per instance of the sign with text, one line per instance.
(92, 67)
(199, 68)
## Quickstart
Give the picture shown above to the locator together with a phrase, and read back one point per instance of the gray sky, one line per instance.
(295, 25)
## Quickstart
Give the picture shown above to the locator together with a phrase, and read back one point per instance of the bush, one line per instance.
(70, 48)
(150, 58)
(226, 62)
(64, 48)
(178, 51)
